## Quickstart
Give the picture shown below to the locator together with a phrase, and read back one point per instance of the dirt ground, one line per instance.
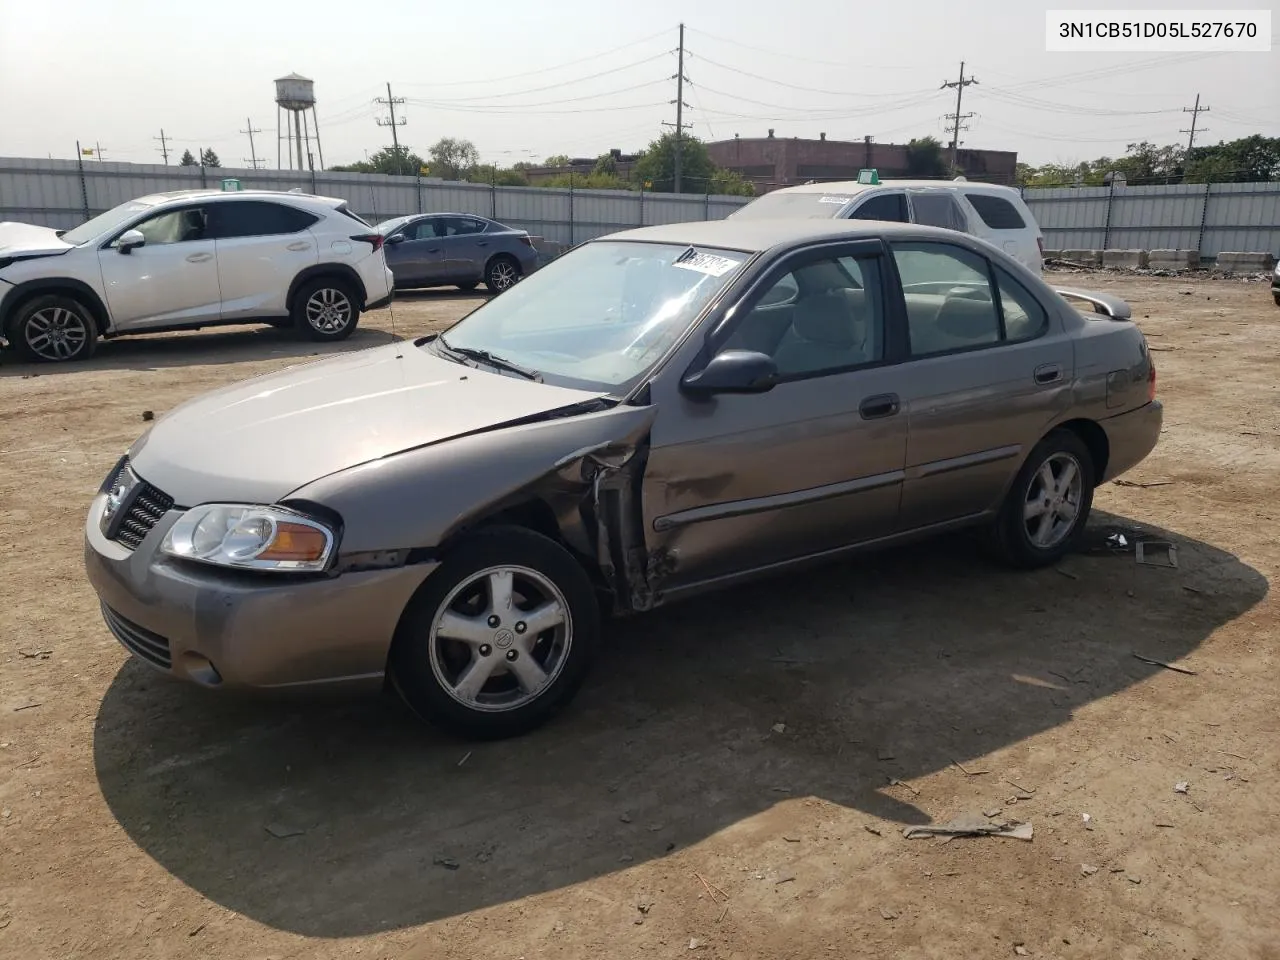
(735, 779)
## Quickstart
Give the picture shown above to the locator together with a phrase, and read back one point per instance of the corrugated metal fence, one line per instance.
(65, 193)
(1205, 217)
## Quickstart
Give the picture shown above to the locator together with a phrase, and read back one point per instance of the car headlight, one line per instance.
(250, 537)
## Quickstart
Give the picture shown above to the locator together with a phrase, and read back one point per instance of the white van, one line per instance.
(990, 212)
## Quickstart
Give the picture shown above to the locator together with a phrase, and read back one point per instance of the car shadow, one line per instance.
(195, 348)
(340, 820)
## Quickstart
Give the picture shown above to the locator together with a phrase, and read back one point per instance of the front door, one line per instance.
(261, 247)
(989, 371)
(172, 279)
(418, 258)
(739, 482)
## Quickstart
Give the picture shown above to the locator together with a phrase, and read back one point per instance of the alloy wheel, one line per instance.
(502, 275)
(1052, 503)
(329, 310)
(56, 333)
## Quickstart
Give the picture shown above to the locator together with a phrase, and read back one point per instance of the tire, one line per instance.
(54, 328)
(429, 668)
(326, 309)
(468, 286)
(501, 273)
(1015, 529)
(1276, 296)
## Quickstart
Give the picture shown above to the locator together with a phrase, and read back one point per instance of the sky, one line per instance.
(525, 80)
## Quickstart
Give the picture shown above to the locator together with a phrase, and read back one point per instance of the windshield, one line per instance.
(601, 315)
(387, 227)
(803, 204)
(105, 222)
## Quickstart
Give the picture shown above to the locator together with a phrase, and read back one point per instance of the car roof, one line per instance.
(174, 196)
(853, 186)
(755, 236)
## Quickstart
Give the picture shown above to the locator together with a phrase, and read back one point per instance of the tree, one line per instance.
(606, 164)
(393, 161)
(188, 160)
(556, 160)
(453, 159)
(1247, 160)
(209, 159)
(924, 158)
(698, 172)
(498, 176)
(586, 181)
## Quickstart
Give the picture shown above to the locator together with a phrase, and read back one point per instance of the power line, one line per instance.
(794, 86)
(482, 107)
(1195, 115)
(164, 146)
(957, 118)
(792, 56)
(554, 86)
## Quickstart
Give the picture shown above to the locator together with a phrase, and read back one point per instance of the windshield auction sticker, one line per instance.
(708, 263)
(840, 200)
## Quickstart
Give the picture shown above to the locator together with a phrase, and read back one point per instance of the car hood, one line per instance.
(29, 240)
(260, 440)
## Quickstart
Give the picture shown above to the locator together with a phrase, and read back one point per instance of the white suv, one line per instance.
(178, 261)
(987, 211)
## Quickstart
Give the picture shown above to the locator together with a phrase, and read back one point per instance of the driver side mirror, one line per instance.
(732, 371)
(129, 240)
(395, 238)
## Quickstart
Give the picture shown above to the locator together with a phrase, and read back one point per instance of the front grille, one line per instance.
(144, 644)
(146, 506)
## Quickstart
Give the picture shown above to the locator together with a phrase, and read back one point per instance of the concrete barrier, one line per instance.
(1091, 257)
(1124, 259)
(1235, 262)
(1174, 260)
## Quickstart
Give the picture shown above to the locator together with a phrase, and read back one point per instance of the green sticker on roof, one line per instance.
(871, 176)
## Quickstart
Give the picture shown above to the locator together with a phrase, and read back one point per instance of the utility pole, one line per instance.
(253, 153)
(390, 103)
(1195, 115)
(679, 125)
(164, 146)
(97, 150)
(957, 118)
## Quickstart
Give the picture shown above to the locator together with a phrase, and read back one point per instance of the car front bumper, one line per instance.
(232, 629)
(1131, 437)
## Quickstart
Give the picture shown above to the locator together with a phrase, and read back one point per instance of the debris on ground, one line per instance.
(465, 757)
(779, 728)
(148, 415)
(970, 825)
(993, 812)
(35, 654)
(625, 817)
(281, 832)
(870, 829)
(1134, 880)
(895, 782)
(884, 753)
(787, 879)
(1020, 950)
(1086, 818)
(1088, 869)
(969, 773)
(1165, 664)
(447, 862)
(1014, 783)
(1181, 786)
(1157, 553)
(712, 890)
(694, 943)
(888, 914)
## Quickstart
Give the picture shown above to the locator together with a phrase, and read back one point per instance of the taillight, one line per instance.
(1151, 379)
(374, 240)
(526, 240)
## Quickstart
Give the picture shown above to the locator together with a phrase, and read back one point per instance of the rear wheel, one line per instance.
(1048, 505)
(326, 309)
(499, 638)
(501, 273)
(54, 328)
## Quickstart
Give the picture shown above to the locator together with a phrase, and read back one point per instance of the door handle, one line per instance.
(299, 245)
(1048, 373)
(482, 243)
(881, 405)
(199, 257)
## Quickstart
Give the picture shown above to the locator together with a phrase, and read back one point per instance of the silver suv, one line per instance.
(190, 259)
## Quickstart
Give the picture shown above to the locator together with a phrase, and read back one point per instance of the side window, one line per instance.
(823, 316)
(937, 208)
(257, 218)
(427, 229)
(1024, 317)
(174, 226)
(996, 212)
(461, 226)
(887, 206)
(948, 298)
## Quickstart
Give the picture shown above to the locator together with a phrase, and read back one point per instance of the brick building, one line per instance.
(771, 162)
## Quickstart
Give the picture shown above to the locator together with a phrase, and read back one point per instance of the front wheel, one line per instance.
(501, 273)
(1048, 505)
(499, 638)
(53, 329)
(325, 309)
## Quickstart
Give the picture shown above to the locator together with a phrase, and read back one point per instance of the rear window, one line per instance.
(803, 204)
(888, 206)
(996, 212)
(257, 218)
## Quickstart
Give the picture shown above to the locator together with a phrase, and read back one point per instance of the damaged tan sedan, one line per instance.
(658, 413)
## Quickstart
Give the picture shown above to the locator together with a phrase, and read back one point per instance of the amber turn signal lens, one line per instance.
(294, 541)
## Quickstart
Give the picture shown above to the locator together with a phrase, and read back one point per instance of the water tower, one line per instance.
(295, 97)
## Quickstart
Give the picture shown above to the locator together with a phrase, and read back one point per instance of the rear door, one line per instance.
(261, 247)
(937, 208)
(990, 368)
(461, 251)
